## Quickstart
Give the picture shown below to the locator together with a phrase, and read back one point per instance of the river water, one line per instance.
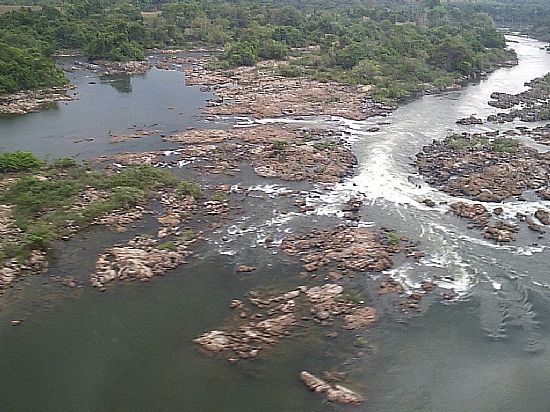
(130, 348)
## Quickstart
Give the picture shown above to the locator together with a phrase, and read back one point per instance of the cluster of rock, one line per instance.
(328, 164)
(247, 341)
(9, 232)
(348, 248)
(11, 269)
(336, 393)
(130, 159)
(140, 259)
(497, 229)
(261, 92)
(144, 257)
(504, 100)
(32, 100)
(116, 220)
(534, 103)
(327, 303)
(177, 209)
(540, 134)
(196, 136)
(264, 321)
(172, 62)
(275, 150)
(130, 68)
(543, 216)
(108, 68)
(352, 208)
(477, 214)
(410, 301)
(468, 121)
(484, 170)
(137, 134)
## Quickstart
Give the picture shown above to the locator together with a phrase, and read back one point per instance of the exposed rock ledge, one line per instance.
(141, 259)
(32, 100)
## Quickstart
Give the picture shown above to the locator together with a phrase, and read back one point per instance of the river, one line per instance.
(131, 348)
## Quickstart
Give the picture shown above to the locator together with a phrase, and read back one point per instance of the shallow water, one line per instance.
(130, 347)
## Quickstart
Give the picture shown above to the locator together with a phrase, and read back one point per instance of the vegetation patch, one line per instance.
(48, 201)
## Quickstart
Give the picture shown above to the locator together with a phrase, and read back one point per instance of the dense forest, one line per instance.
(399, 50)
(531, 17)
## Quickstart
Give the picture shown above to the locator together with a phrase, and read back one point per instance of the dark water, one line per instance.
(158, 100)
(129, 349)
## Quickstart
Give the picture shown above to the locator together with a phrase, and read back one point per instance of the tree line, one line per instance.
(400, 50)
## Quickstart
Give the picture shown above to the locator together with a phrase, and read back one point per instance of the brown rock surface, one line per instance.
(489, 171)
(260, 92)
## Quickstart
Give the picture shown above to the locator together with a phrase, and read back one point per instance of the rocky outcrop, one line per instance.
(483, 168)
(194, 136)
(543, 216)
(138, 133)
(245, 268)
(247, 341)
(260, 92)
(468, 121)
(533, 104)
(264, 320)
(480, 218)
(279, 151)
(348, 248)
(11, 269)
(32, 100)
(294, 153)
(140, 259)
(540, 134)
(131, 68)
(336, 393)
(476, 213)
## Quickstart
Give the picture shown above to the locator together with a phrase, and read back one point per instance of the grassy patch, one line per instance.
(187, 236)
(171, 246)
(17, 162)
(219, 197)
(189, 189)
(360, 342)
(353, 296)
(505, 145)
(459, 142)
(42, 199)
(279, 145)
(325, 144)
(394, 238)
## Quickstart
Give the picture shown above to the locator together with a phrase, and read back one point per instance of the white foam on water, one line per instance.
(270, 189)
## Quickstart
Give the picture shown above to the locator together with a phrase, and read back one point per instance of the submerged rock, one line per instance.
(336, 393)
(360, 317)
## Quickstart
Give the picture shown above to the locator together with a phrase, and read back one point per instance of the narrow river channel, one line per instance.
(130, 348)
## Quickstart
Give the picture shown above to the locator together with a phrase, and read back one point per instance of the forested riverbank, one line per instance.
(530, 17)
(396, 53)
